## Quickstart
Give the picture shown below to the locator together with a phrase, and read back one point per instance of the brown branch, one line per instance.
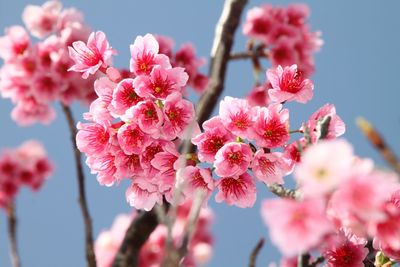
(136, 235)
(376, 139)
(12, 235)
(255, 252)
(249, 55)
(220, 55)
(317, 261)
(90, 257)
(303, 260)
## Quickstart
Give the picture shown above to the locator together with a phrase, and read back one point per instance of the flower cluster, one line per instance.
(245, 139)
(343, 201)
(286, 33)
(36, 74)
(152, 253)
(26, 165)
(136, 123)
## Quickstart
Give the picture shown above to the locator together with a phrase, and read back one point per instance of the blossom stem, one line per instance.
(254, 253)
(295, 131)
(12, 235)
(249, 55)
(280, 191)
(90, 256)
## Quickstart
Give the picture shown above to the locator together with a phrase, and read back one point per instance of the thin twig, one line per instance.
(192, 221)
(280, 191)
(255, 251)
(90, 257)
(12, 235)
(317, 261)
(323, 127)
(377, 140)
(249, 55)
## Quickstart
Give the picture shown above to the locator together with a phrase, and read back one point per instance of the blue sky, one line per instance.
(357, 70)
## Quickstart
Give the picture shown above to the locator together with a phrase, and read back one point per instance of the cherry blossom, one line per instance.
(289, 85)
(91, 57)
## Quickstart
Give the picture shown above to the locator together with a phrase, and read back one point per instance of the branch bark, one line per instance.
(90, 256)
(255, 252)
(220, 55)
(248, 55)
(145, 223)
(136, 235)
(12, 235)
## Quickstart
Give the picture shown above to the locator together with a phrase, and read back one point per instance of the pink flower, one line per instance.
(195, 178)
(271, 128)
(28, 111)
(124, 97)
(92, 138)
(324, 167)
(109, 241)
(284, 53)
(99, 109)
(237, 115)
(295, 227)
(258, 96)
(289, 85)
(104, 166)
(292, 152)
(214, 137)
(186, 57)
(259, 22)
(233, 159)
(239, 191)
(128, 166)
(42, 20)
(346, 250)
(143, 194)
(132, 139)
(270, 167)
(179, 114)
(26, 165)
(144, 55)
(46, 87)
(14, 43)
(387, 231)
(336, 126)
(363, 195)
(91, 57)
(166, 44)
(161, 82)
(148, 116)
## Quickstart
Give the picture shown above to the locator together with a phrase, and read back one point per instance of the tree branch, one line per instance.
(249, 55)
(220, 55)
(255, 251)
(136, 235)
(376, 139)
(90, 257)
(12, 235)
